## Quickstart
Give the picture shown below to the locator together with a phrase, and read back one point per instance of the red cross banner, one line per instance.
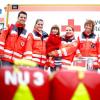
(60, 14)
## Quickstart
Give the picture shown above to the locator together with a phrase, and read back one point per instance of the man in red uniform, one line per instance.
(12, 40)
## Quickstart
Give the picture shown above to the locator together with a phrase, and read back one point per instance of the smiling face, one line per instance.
(88, 28)
(39, 25)
(22, 18)
(55, 31)
(69, 31)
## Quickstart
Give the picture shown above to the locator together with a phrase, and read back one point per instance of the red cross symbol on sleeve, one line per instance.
(77, 28)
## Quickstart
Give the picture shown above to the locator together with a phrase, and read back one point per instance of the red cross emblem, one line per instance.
(77, 28)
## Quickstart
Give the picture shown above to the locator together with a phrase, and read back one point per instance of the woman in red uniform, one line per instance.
(35, 49)
(68, 47)
(89, 44)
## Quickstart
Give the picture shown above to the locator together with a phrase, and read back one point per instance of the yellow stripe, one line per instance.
(81, 93)
(23, 93)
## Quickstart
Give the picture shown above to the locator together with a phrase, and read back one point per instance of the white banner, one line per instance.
(61, 15)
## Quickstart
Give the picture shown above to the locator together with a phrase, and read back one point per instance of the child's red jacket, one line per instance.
(53, 42)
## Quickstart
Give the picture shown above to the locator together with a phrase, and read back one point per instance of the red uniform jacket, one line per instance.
(53, 42)
(35, 49)
(12, 44)
(89, 47)
(67, 50)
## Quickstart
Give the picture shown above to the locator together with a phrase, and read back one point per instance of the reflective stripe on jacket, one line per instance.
(14, 44)
(35, 49)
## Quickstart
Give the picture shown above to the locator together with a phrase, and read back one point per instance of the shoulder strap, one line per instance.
(11, 27)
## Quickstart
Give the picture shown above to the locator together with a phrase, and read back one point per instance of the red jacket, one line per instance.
(67, 51)
(13, 45)
(99, 52)
(35, 49)
(53, 42)
(89, 47)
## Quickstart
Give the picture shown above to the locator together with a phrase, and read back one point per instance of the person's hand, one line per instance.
(51, 53)
(79, 55)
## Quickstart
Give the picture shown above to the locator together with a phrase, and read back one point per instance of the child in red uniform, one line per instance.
(53, 43)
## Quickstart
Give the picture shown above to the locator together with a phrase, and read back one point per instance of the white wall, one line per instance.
(60, 18)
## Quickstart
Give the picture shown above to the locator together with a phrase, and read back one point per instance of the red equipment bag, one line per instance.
(23, 84)
(75, 85)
